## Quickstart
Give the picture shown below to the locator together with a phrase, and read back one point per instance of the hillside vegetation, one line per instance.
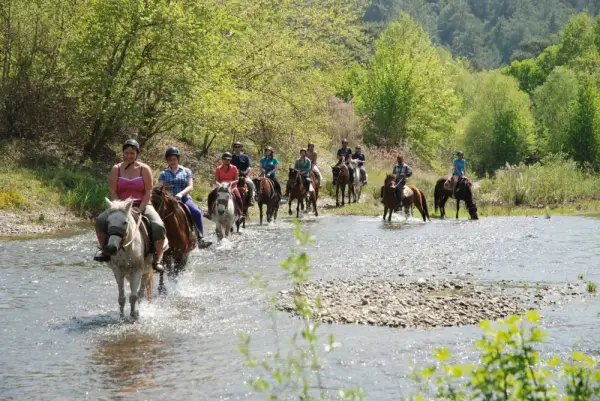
(80, 77)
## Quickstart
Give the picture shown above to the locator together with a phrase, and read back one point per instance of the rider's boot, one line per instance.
(101, 255)
(201, 242)
(157, 262)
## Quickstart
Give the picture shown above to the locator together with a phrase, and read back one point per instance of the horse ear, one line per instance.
(129, 205)
(108, 203)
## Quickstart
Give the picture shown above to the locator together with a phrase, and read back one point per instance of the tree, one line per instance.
(576, 38)
(584, 138)
(529, 75)
(553, 102)
(134, 63)
(500, 128)
(406, 96)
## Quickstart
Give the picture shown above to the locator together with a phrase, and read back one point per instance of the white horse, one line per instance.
(127, 248)
(223, 213)
(357, 181)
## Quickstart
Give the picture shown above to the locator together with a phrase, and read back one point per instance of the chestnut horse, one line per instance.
(463, 192)
(412, 196)
(180, 229)
(341, 179)
(267, 195)
(245, 194)
(299, 192)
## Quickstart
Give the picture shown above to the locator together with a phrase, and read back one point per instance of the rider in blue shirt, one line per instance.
(270, 164)
(458, 170)
(243, 164)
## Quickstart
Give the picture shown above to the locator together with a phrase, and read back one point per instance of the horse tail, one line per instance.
(425, 205)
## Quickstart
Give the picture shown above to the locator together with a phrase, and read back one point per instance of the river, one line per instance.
(62, 338)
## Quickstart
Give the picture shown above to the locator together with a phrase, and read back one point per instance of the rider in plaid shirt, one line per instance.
(181, 179)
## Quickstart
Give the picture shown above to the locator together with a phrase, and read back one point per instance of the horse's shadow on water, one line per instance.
(83, 324)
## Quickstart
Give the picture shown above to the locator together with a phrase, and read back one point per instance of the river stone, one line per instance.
(409, 304)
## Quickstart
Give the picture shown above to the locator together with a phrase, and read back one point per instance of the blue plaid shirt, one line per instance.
(179, 180)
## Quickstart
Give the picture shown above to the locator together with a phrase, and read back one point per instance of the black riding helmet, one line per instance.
(133, 143)
(238, 144)
(226, 156)
(172, 151)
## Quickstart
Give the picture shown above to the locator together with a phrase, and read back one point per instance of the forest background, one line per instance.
(515, 84)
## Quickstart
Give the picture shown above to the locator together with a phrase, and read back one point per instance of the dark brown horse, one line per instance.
(267, 195)
(463, 192)
(300, 192)
(245, 193)
(180, 229)
(415, 197)
(341, 179)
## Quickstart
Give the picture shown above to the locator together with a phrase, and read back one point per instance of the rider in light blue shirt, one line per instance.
(458, 170)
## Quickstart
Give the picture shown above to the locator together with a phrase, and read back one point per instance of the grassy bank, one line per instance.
(554, 186)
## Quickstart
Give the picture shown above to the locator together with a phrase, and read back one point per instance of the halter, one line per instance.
(122, 232)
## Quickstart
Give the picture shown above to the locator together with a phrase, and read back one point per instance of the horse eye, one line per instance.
(124, 223)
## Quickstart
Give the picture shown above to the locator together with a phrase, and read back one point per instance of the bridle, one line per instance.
(122, 232)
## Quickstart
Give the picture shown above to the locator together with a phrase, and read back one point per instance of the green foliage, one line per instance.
(500, 128)
(554, 180)
(591, 287)
(529, 75)
(296, 373)
(584, 133)
(406, 97)
(510, 368)
(553, 102)
(577, 39)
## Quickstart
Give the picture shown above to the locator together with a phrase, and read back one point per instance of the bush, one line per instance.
(555, 179)
(510, 368)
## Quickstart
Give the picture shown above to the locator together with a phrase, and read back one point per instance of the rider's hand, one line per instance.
(178, 196)
(137, 209)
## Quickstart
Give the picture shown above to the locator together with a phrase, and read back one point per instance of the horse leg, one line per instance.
(290, 204)
(120, 277)
(260, 212)
(457, 207)
(162, 290)
(314, 203)
(419, 205)
(337, 199)
(298, 208)
(134, 285)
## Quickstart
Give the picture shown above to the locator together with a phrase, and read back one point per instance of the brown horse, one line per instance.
(300, 192)
(179, 226)
(414, 196)
(267, 195)
(245, 194)
(341, 179)
(463, 192)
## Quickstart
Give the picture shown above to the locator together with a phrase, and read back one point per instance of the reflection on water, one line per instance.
(129, 361)
(62, 337)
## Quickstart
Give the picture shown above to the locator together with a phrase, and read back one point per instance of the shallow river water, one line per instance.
(61, 338)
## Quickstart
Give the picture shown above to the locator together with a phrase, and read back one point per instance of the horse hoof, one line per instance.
(135, 315)
(162, 290)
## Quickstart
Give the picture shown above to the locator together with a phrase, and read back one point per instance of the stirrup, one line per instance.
(203, 244)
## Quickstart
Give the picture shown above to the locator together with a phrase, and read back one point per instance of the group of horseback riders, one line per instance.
(133, 179)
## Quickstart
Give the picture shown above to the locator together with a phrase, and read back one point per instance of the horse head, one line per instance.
(120, 224)
(466, 193)
(389, 180)
(224, 196)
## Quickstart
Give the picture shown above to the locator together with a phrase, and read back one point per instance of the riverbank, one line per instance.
(53, 193)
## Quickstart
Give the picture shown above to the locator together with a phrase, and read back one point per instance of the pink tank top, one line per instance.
(131, 187)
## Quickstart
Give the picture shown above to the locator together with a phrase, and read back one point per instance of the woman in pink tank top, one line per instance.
(132, 179)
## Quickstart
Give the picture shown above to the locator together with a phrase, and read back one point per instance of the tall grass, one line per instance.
(554, 180)
(39, 188)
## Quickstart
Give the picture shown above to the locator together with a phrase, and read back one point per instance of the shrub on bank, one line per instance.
(554, 180)
(510, 368)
